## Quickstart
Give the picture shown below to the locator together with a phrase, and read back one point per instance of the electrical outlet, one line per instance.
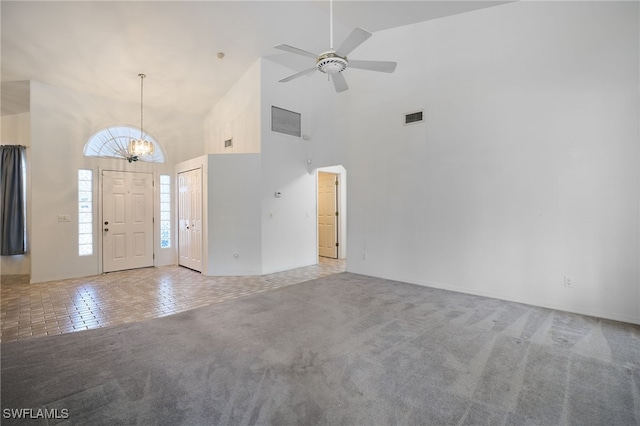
(568, 281)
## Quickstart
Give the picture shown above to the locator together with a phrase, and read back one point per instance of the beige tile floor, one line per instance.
(57, 307)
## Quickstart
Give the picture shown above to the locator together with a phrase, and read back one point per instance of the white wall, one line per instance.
(16, 131)
(232, 182)
(61, 123)
(233, 214)
(231, 227)
(527, 168)
(236, 116)
(285, 236)
(289, 222)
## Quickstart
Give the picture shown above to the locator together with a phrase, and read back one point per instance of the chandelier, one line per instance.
(140, 147)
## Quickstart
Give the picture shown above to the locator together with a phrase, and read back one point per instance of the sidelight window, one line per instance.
(85, 212)
(165, 211)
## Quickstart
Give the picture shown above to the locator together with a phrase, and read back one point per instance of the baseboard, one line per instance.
(523, 300)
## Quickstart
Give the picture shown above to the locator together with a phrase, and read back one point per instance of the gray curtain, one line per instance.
(12, 214)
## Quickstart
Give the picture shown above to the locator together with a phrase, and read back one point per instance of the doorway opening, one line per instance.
(332, 212)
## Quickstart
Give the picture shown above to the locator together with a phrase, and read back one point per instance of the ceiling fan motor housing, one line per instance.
(330, 63)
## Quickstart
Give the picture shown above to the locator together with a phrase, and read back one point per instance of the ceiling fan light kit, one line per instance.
(334, 62)
(330, 63)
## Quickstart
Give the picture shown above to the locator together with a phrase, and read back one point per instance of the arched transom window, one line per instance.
(114, 142)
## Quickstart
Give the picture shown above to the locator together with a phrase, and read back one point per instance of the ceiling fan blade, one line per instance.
(382, 66)
(295, 50)
(299, 74)
(339, 82)
(355, 39)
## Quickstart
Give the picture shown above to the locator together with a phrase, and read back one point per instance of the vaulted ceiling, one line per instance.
(101, 47)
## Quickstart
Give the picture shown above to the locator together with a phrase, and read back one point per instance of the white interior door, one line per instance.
(190, 219)
(327, 215)
(127, 215)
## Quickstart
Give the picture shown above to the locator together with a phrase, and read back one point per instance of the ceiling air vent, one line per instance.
(228, 143)
(413, 118)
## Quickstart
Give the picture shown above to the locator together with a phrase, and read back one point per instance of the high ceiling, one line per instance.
(101, 47)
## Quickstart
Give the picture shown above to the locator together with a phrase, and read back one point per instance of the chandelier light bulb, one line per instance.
(139, 147)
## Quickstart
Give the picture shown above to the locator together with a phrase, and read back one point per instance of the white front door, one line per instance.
(327, 215)
(190, 219)
(127, 220)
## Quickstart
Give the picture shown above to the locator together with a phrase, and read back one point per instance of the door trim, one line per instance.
(341, 194)
(199, 267)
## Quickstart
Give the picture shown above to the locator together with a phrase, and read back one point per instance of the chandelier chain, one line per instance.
(142, 76)
(140, 147)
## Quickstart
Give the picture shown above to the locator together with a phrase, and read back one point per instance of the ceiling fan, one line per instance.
(333, 62)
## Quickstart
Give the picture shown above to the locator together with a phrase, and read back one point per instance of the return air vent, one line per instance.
(413, 118)
(287, 122)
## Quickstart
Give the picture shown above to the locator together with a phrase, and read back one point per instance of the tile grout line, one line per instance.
(63, 306)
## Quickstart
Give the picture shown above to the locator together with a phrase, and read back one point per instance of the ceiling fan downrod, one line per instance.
(330, 24)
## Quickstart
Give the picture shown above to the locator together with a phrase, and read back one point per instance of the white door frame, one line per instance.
(341, 223)
(197, 266)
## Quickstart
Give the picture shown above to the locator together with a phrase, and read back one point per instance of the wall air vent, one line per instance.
(228, 143)
(287, 122)
(413, 118)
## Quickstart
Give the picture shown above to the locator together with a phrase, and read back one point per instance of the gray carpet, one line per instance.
(342, 350)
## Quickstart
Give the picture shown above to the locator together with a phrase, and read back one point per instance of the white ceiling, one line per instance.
(101, 47)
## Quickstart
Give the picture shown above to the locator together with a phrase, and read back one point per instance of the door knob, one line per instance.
(106, 229)
(106, 223)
